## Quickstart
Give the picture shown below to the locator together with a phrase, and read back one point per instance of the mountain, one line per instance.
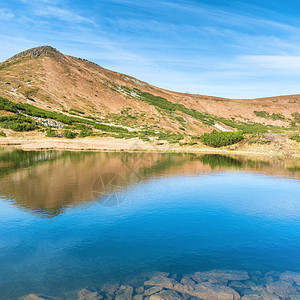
(48, 79)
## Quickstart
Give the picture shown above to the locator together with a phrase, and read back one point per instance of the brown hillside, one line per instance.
(46, 78)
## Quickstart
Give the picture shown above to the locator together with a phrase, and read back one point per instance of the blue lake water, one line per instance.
(70, 220)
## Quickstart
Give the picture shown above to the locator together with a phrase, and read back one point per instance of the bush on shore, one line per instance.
(2, 134)
(68, 134)
(52, 133)
(219, 139)
(86, 132)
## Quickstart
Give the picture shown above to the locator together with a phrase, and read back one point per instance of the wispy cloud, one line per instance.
(61, 14)
(37, 2)
(6, 14)
(281, 64)
(221, 15)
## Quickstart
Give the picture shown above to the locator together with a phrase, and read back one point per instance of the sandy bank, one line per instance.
(112, 144)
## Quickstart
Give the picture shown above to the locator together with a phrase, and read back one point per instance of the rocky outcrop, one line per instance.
(37, 51)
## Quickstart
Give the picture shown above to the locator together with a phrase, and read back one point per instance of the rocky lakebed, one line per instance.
(209, 285)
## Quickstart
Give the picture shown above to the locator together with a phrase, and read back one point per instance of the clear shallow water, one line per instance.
(70, 220)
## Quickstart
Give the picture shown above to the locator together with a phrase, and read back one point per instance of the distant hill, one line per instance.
(48, 79)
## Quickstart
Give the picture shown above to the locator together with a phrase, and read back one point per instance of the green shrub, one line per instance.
(86, 132)
(296, 117)
(51, 133)
(180, 119)
(250, 127)
(188, 144)
(68, 134)
(59, 117)
(295, 137)
(22, 127)
(277, 117)
(266, 115)
(165, 104)
(81, 127)
(2, 134)
(220, 139)
(17, 123)
(76, 111)
(262, 114)
(261, 142)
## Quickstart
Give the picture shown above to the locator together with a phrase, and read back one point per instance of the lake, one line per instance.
(70, 220)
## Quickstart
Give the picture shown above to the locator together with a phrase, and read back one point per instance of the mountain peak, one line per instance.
(37, 52)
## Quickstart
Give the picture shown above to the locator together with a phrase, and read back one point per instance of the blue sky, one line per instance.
(237, 49)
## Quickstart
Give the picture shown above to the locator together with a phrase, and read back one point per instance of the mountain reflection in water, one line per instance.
(48, 182)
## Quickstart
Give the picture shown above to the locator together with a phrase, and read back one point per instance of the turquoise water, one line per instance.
(70, 220)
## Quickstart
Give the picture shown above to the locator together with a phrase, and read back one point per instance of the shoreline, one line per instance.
(109, 144)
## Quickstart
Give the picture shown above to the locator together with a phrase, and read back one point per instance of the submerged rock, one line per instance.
(187, 280)
(124, 292)
(281, 288)
(210, 285)
(109, 297)
(291, 276)
(86, 294)
(156, 273)
(209, 291)
(110, 288)
(243, 284)
(152, 290)
(204, 290)
(140, 290)
(164, 282)
(220, 276)
(252, 295)
(38, 297)
(166, 295)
